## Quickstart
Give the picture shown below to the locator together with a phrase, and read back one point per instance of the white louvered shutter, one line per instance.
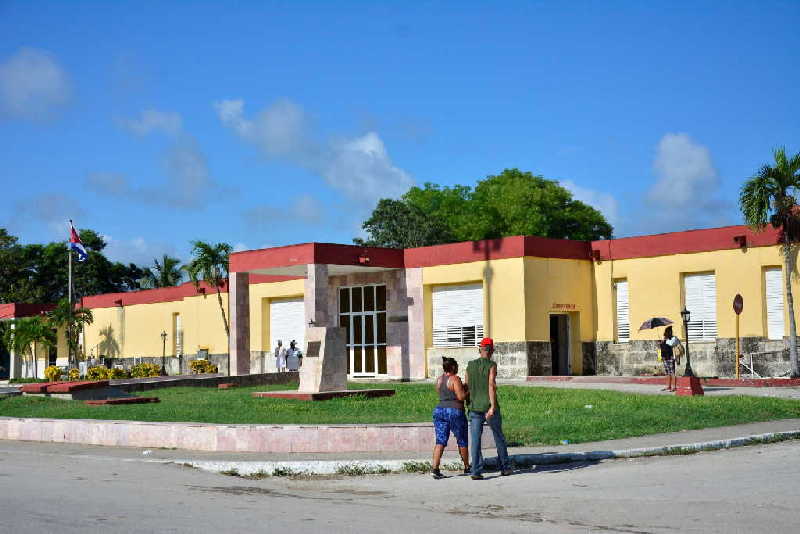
(457, 315)
(701, 301)
(774, 300)
(178, 339)
(287, 322)
(623, 313)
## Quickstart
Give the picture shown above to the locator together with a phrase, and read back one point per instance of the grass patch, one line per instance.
(531, 415)
(414, 466)
(354, 470)
(285, 472)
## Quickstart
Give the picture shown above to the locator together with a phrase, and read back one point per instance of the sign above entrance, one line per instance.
(563, 306)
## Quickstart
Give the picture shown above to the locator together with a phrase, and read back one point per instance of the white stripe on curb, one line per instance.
(356, 467)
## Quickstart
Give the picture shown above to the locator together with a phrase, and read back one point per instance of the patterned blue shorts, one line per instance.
(669, 366)
(446, 420)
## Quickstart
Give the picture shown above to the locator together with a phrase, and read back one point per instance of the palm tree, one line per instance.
(210, 265)
(24, 335)
(166, 273)
(72, 320)
(770, 197)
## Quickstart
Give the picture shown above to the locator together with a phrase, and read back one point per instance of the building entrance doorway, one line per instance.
(560, 344)
(362, 312)
(5, 362)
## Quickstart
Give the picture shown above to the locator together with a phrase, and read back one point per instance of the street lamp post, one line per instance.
(163, 351)
(686, 316)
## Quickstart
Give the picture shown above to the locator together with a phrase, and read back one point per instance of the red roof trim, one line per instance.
(688, 242)
(16, 310)
(308, 253)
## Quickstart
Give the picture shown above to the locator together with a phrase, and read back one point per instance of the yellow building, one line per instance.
(552, 306)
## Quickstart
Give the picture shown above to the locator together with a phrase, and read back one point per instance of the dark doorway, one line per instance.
(52, 355)
(559, 344)
(5, 362)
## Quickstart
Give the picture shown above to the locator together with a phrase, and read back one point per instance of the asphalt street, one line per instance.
(52, 488)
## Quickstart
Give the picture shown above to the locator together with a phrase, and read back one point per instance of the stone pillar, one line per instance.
(315, 295)
(416, 324)
(239, 309)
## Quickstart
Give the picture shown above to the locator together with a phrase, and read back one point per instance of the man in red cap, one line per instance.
(483, 406)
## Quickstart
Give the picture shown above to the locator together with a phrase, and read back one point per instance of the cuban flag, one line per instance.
(75, 243)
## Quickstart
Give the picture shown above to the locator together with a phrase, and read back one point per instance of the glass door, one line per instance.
(362, 311)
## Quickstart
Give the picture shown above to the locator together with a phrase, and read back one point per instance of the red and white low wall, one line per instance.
(229, 438)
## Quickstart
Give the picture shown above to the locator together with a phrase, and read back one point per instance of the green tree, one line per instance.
(72, 320)
(210, 265)
(164, 273)
(37, 273)
(508, 204)
(397, 224)
(24, 335)
(769, 197)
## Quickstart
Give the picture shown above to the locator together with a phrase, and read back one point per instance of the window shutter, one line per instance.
(457, 315)
(623, 313)
(700, 292)
(287, 322)
(774, 301)
(178, 335)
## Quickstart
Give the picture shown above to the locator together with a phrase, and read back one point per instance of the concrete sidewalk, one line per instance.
(328, 463)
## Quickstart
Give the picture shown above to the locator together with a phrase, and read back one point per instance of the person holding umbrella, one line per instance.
(666, 348)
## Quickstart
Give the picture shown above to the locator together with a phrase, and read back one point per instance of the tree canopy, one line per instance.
(37, 273)
(510, 203)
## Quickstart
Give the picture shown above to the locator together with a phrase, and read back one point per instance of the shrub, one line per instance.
(53, 373)
(202, 366)
(116, 374)
(74, 374)
(144, 370)
(97, 373)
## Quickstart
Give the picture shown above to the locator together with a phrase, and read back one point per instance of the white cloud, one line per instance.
(188, 182)
(604, 202)
(152, 120)
(362, 169)
(189, 179)
(687, 184)
(684, 170)
(359, 167)
(239, 247)
(32, 85)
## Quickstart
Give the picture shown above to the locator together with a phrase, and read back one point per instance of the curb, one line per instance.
(367, 467)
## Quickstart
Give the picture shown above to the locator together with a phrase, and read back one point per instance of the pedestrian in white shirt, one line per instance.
(280, 357)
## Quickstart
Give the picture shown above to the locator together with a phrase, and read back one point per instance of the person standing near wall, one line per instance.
(671, 352)
(481, 378)
(294, 358)
(669, 361)
(280, 357)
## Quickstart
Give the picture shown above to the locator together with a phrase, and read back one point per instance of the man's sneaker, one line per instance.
(476, 477)
(437, 474)
(467, 470)
(506, 472)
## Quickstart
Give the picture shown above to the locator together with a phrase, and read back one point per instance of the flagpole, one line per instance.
(69, 298)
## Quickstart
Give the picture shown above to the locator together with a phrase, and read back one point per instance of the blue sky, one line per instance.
(271, 123)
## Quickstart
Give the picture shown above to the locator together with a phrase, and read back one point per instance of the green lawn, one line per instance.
(532, 415)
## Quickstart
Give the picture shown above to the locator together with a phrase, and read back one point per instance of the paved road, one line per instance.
(51, 488)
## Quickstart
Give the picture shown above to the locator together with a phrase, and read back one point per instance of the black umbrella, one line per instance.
(655, 322)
